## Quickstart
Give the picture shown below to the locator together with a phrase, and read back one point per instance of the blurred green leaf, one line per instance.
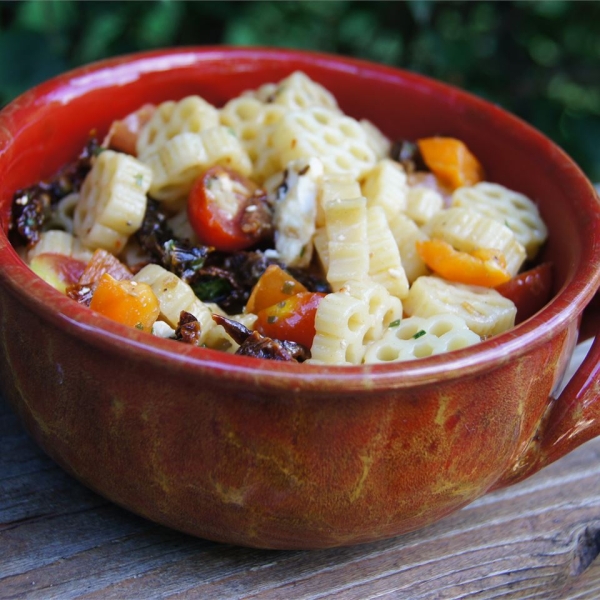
(26, 62)
(158, 26)
(538, 58)
(45, 15)
(99, 35)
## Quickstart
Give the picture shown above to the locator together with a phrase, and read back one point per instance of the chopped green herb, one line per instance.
(139, 326)
(395, 323)
(420, 333)
(139, 179)
(211, 289)
(271, 319)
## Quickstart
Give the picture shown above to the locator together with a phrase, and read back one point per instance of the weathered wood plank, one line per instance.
(60, 540)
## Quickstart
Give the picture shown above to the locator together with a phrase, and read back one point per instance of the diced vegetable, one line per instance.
(59, 270)
(123, 134)
(530, 290)
(451, 161)
(292, 319)
(275, 285)
(128, 302)
(103, 262)
(484, 267)
(227, 210)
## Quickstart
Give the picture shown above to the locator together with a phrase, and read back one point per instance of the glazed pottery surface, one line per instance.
(281, 455)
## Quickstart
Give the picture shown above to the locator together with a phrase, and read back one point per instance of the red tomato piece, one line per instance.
(227, 210)
(292, 319)
(530, 290)
(123, 134)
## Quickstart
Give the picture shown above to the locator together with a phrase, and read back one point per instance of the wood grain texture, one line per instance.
(58, 540)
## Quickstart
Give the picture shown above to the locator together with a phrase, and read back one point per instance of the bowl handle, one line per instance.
(570, 420)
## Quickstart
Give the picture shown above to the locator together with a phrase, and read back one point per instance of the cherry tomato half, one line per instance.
(292, 319)
(227, 210)
(529, 290)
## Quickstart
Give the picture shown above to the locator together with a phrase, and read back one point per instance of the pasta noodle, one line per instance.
(417, 337)
(385, 264)
(112, 202)
(378, 142)
(173, 294)
(64, 214)
(468, 230)
(190, 115)
(339, 141)
(54, 242)
(253, 121)
(484, 310)
(407, 234)
(385, 186)
(298, 91)
(348, 319)
(514, 210)
(341, 186)
(347, 248)
(422, 203)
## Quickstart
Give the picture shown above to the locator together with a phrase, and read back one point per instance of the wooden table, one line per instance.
(538, 539)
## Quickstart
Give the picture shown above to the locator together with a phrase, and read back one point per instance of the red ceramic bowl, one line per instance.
(281, 455)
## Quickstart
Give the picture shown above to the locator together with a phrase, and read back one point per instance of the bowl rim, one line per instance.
(78, 321)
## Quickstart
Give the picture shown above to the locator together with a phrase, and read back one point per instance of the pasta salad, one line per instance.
(277, 226)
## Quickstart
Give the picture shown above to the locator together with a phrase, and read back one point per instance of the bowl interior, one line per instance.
(46, 127)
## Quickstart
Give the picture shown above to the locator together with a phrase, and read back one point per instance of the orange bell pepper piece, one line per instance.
(485, 267)
(275, 285)
(129, 302)
(451, 161)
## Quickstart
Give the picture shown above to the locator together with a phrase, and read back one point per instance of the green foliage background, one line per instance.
(540, 59)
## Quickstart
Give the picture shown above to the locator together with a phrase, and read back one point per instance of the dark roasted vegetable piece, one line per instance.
(32, 206)
(312, 282)
(407, 153)
(213, 284)
(184, 259)
(256, 345)
(177, 256)
(154, 231)
(188, 329)
(259, 346)
(80, 293)
(240, 271)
